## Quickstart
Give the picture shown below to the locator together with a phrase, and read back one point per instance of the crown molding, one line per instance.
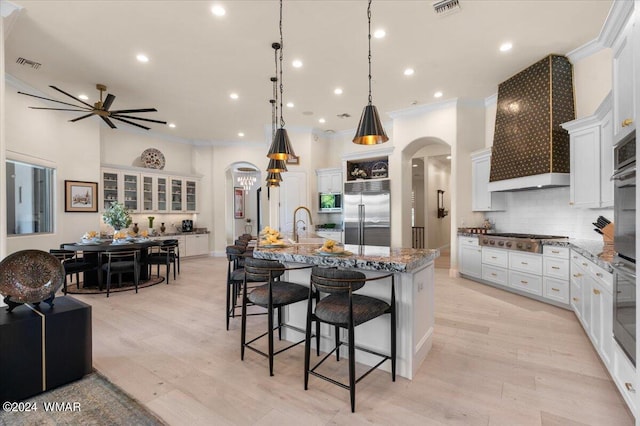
(369, 153)
(9, 13)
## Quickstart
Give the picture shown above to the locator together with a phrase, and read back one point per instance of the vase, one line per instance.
(150, 221)
(162, 227)
(135, 228)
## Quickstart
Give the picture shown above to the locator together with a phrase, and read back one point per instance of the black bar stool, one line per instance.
(344, 309)
(235, 278)
(275, 294)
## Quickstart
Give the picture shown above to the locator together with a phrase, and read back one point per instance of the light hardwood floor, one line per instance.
(497, 359)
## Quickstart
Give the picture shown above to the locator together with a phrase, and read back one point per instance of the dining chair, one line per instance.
(344, 309)
(73, 264)
(120, 262)
(162, 255)
(172, 247)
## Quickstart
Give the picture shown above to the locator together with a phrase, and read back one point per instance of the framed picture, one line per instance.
(80, 196)
(293, 160)
(238, 203)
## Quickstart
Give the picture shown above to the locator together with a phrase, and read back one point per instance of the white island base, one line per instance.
(414, 286)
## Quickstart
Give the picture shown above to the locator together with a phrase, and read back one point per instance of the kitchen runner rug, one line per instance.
(72, 288)
(92, 400)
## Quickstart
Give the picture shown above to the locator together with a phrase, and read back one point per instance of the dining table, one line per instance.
(92, 252)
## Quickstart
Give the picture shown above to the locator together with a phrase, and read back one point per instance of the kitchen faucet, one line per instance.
(295, 230)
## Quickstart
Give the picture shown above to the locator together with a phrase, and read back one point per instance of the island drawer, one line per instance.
(556, 268)
(554, 251)
(495, 275)
(526, 282)
(525, 262)
(495, 257)
(554, 289)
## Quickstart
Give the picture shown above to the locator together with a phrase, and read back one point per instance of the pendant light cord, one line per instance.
(281, 85)
(369, 20)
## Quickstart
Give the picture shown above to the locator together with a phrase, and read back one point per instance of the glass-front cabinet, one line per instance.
(176, 195)
(191, 187)
(120, 187)
(147, 194)
(161, 186)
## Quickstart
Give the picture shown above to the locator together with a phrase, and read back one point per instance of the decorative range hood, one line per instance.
(530, 149)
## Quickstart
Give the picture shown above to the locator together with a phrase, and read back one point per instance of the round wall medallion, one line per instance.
(152, 158)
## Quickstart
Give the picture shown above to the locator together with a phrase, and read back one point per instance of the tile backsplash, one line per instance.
(547, 211)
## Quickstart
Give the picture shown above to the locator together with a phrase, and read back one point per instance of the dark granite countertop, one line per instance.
(371, 258)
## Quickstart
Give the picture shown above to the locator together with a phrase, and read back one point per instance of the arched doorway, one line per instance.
(242, 181)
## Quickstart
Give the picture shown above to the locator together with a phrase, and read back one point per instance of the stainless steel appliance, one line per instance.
(329, 202)
(367, 212)
(624, 265)
(531, 243)
(187, 225)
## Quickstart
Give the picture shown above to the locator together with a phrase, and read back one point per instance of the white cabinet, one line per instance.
(181, 241)
(154, 193)
(329, 180)
(555, 272)
(331, 235)
(624, 375)
(470, 257)
(591, 154)
(196, 245)
(594, 306)
(624, 108)
(122, 187)
(481, 198)
(183, 195)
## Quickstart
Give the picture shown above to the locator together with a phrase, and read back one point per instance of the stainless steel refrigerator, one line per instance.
(367, 211)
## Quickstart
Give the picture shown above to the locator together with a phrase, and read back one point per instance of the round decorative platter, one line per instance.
(152, 158)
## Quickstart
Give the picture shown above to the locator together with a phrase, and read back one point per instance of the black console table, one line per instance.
(43, 348)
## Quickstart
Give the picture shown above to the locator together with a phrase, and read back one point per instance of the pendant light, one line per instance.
(274, 178)
(275, 166)
(281, 148)
(370, 130)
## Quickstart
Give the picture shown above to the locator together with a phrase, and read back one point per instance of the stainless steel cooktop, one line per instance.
(523, 242)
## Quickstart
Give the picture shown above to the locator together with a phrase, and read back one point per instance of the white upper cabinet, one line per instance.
(122, 187)
(591, 153)
(624, 108)
(481, 198)
(329, 180)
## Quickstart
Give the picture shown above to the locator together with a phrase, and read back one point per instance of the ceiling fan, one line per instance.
(100, 109)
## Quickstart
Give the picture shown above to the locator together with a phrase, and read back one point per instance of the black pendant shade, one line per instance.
(274, 177)
(277, 166)
(370, 130)
(281, 148)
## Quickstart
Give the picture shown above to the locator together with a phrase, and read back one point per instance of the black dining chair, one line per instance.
(273, 294)
(344, 309)
(172, 247)
(121, 262)
(74, 264)
(163, 255)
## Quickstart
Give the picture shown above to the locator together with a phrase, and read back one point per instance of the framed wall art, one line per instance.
(238, 203)
(293, 160)
(80, 196)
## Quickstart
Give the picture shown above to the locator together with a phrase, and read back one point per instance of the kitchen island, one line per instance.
(414, 286)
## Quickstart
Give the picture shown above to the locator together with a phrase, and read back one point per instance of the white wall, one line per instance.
(592, 81)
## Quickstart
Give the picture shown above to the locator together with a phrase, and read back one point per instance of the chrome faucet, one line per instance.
(296, 237)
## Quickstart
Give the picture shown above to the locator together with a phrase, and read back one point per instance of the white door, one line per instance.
(293, 193)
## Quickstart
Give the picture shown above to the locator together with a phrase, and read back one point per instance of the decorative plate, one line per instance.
(152, 158)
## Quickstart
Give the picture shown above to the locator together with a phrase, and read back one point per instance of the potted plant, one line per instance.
(117, 216)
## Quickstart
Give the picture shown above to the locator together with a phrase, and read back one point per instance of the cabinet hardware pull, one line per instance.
(627, 122)
(493, 257)
(555, 289)
(555, 267)
(575, 299)
(599, 274)
(555, 251)
(493, 274)
(570, 203)
(596, 291)
(629, 387)
(524, 282)
(524, 263)
(578, 275)
(585, 264)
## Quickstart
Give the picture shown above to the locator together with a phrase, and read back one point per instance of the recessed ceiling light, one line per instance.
(338, 91)
(240, 134)
(505, 47)
(297, 63)
(172, 125)
(322, 120)
(142, 58)
(233, 96)
(83, 97)
(379, 33)
(437, 95)
(448, 157)
(218, 10)
(290, 104)
(409, 71)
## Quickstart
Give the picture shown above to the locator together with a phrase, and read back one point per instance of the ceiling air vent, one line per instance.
(446, 7)
(344, 115)
(33, 64)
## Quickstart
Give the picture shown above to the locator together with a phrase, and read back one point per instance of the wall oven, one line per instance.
(624, 264)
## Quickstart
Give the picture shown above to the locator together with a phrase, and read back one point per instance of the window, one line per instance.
(29, 198)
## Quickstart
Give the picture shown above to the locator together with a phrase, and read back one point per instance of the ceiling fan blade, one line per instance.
(81, 117)
(130, 122)
(71, 96)
(52, 100)
(121, 111)
(108, 101)
(137, 118)
(109, 122)
(60, 109)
